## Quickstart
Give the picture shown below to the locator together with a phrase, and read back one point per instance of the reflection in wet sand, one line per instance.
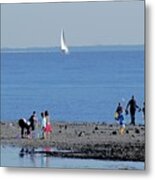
(30, 157)
(31, 153)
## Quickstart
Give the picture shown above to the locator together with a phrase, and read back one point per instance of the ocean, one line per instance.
(83, 86)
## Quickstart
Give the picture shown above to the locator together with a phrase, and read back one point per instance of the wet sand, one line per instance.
(83, 140)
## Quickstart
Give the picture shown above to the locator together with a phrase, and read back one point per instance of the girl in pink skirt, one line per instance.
(48, 128)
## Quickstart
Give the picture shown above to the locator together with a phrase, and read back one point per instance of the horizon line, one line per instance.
(76, 46)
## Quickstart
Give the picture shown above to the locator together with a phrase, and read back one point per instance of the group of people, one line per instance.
(132, 106)
(28, 127)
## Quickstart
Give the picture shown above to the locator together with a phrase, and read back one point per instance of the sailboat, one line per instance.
(64, 47)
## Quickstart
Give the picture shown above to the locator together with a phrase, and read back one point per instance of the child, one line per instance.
(120, 118)
(33, 124)
(122, 124)
(48, 128)
(43, 125)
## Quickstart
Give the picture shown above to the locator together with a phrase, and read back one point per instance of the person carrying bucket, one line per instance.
(119, 117)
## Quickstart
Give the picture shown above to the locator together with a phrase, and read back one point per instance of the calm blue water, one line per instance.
(81, 86)
(10, 157)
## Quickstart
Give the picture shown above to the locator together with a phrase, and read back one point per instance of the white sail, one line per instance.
(64, 47)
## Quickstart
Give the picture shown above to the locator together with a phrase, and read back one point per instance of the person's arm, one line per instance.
(126, 110)
(139, 109)
(137, 106)
(127, 105)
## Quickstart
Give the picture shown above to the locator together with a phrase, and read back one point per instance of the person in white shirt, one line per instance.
(43, 125)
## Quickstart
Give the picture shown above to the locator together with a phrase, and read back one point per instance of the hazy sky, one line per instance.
(86, 23)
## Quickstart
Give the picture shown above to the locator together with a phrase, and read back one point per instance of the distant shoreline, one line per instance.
(94, 48)
(84, 140)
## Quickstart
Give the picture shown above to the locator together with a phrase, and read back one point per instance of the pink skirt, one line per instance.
(48, 128)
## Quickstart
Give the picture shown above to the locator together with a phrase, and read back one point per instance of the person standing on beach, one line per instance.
(43, 125)
(48, 128)
(120, 118)
(132, 104)
(33, 120)
(119, 109)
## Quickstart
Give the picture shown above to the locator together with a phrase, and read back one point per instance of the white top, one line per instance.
(43, 122)
(26, 121)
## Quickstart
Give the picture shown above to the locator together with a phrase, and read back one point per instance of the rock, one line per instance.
(10, 124)
(96, 128)
(127, 131)
(114, 133)
(137, 131)
(82, 133)
(133, 135)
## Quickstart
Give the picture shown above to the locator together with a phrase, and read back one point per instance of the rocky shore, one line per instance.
(82, 140)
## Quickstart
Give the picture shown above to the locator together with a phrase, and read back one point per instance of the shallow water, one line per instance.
(11, 156)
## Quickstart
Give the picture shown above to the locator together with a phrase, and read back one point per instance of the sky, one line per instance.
(84, 23)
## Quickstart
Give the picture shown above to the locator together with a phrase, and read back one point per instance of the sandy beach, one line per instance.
(83, 140)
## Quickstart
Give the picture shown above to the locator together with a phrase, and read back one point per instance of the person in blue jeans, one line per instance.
(119, 116)
(122, 124)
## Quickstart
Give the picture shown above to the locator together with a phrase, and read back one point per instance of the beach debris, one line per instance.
(137, 131)
(133, 135)
(96, 128)
(63, 127)
(82, 133)
(60, 131)
(10, 124)
(142, 128)
(60, 126)
(114, 133)
(127, 131)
